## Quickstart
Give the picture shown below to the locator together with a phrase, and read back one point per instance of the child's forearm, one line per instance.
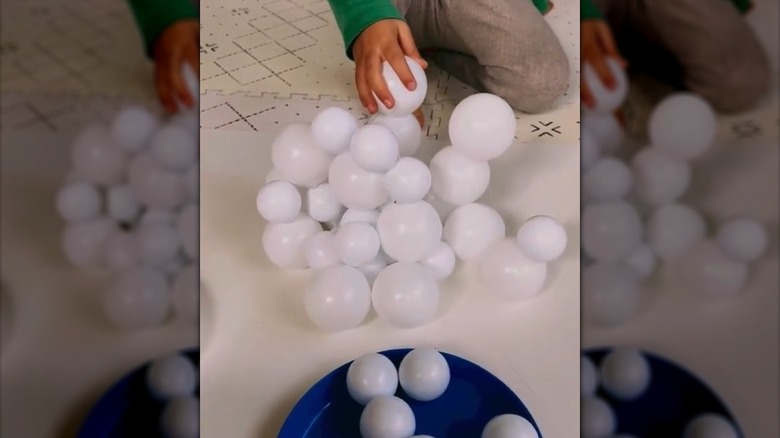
(353, 16)
(154, 16)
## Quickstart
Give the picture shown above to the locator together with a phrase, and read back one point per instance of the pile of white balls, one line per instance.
(174, 380)
(424, 375)
(625, 375)
(633, 216)
(353, 203)
(131, 208)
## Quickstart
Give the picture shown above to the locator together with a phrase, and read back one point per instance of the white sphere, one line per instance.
(180, 418)
(457, 179)
(387, 416)
(610, 294)
(424, 374)
(296, 155)
(279, 201)
(357, 243)
(132, 127)
(322, 205)
(597, 420)
(610, 179)
(171, 376)
(374, 148)
(505, 271)
(705, 269)
(187, 226)
(357, 215)
(625, 374)
(611, 230)
(84, 242)
(153, 185)
(443, 208)
(659, 178)
(320, 250)
(284, 244)
(482, 127)
(405, 101)
(471, 228)
(332, 129)
(97, 158)
(441, 261)
(406, 129)
(158, 243)
(371, 375)
(509, 426)
(185, 294)
(191, 182)
(606, 130)
(123, 205)
(408, 181)
(138, 299)
(372, 269)
(589, 377)
(743, 238)
(673, 228)
(684, 125)
(542, 239)
(406, 295)
(409, 232)
(175, 147)
(120, 251)
(355, 187)
(641, 261)
(606, 100)
(590, 150)
(339, 299)
(710, 425)
(78, 201)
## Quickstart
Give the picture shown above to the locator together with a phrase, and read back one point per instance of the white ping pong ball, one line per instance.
(471, 228)
(606, 100)
(505, 271)
(597, 419)
(641, 261)
(405, 101)
(284, 243)
(339, 298)
(374, 148)
(371, 375)
(610, 230)
(606, 131)
(710, 425)
(132, 127)
(684, 125)
(279, 201)
(743, 238)
(457, 179)
(405, 295)
(180, 418)
(355, 187)
(332, 129)
(658, 177)
(387, 416)
(298, 158)
(358, 215)
(175, 147)
(84, 242)
(409, 232)
(322, 205)
(78, 201)
(171, 376)
(320, 250)
(705, 269)
(138, 299)
(441, 261)
(408, 181)
(482, 127)
(610, 294)
(406, 129)
(625, 374)
(673, 228)
(609, 179)
(509, 426)
(424, 374)
(542, 239)
(357, 243)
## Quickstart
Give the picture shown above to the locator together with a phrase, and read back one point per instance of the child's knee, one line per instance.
(532, 90)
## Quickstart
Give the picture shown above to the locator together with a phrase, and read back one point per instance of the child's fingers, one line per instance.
(376, 82)
(599, 64)
(607, 43)
(398, 63)
(163, 89)
(177, 83)
(408, 46)
(585, 96)
(364, 91)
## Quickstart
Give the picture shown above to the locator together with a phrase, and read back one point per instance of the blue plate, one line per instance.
(128, 409)
(675, 397)
(473, 398)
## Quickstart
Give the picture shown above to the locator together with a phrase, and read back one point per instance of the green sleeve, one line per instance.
(154, 16)
(353, 16)
(589, 11)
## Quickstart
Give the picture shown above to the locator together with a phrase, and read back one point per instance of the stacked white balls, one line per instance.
(173, 380)
(355, 204)
(633, 215)
(131, 208)
(423, 375)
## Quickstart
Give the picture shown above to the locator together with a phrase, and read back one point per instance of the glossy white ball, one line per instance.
(371, 375)
(505, 271)
(408, 181)
(542, 239)
(339, 299)
(424, 374)
(279, 201)
(297, 157)
(409, 232)
(482, 127)
(405, 101)
(284, 243)
(374, 148)
(333, 128)
(405, 295)
(743, 238)
(683, 125)
(457, 179)
(355, 187)
(471, 228)
(387, 416)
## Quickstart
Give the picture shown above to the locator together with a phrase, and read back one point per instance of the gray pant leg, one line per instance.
(504, 47)
(706, 46)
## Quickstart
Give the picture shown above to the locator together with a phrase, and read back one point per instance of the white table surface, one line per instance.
(260, 354)
(732, 345)
(61, 353)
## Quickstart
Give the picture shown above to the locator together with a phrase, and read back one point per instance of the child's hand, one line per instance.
(596, 44)
(385, 40)
(178, 44)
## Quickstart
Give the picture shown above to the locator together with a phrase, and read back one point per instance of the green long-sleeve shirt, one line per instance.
(589, 11)
(353, 16)
(154, 16)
